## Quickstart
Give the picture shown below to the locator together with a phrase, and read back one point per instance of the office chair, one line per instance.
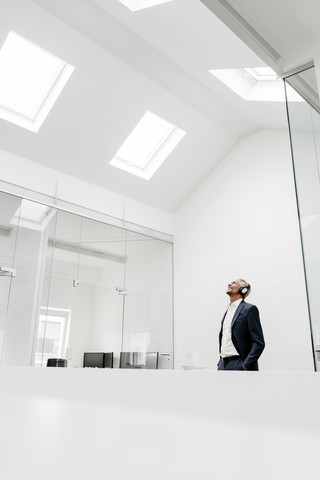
(56, 362)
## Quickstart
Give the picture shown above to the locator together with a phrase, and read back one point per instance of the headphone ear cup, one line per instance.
(244, 290)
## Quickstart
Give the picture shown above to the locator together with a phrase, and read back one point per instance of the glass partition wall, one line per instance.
(304, 125)
(71, 285)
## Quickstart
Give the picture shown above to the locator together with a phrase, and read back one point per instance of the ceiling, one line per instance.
(289, 27)
(129, 62)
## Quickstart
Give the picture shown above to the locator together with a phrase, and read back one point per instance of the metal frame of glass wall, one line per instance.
(304, 130)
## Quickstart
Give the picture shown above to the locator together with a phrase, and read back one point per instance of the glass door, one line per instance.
(148, 316)
(98, 303)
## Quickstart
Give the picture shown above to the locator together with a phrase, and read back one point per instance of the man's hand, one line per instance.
(244, 368)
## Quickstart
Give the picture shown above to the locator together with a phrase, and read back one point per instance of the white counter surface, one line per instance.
(81, 424)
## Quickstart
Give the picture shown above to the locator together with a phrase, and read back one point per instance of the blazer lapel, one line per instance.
(237, 312)
(224, 316)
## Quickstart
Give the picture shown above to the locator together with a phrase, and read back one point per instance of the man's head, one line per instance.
(238, 289)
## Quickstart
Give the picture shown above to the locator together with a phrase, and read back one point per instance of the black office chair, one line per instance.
(148, 360)
(108, 360)
(56, 362)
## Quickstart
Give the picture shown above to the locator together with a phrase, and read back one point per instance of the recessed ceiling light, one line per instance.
(147, 146)
(31, 79)
(256, 84)
(135, 5)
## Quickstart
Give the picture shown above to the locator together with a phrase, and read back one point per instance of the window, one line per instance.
(147, 146)
(31, 79)
(255, 84)
(134, 5)
(260, 74)
(53, 333)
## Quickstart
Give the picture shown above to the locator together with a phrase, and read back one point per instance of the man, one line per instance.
(241, 339)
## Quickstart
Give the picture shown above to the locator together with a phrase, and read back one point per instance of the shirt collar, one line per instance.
(235, 304)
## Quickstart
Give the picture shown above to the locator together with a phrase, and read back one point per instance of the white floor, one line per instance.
(81, 424)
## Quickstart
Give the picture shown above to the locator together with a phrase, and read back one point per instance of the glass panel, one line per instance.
(148, 301)
(29, 234)
(52, 335)
(99, 307)
(8, 235)
(58, 295)
(304, 121)
(81, 286)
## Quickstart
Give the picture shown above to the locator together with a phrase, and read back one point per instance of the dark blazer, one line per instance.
(246, 334)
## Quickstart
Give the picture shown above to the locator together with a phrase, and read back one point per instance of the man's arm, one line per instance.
(256, 335)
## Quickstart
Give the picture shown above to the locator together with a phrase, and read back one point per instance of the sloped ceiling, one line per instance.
(289, 28)
(125, 64)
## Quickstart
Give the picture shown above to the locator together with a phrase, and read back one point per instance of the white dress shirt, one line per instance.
(227, 347)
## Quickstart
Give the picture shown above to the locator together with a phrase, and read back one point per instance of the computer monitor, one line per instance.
(93, 360)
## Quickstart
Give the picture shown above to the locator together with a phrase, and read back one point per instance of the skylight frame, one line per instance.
(137, 5)
(244, 84)
(49, 94)
(156, 155)
(259, 75)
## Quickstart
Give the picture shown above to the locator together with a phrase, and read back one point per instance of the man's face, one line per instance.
(233, 287)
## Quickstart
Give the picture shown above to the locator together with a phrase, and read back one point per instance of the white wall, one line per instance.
(242, 222)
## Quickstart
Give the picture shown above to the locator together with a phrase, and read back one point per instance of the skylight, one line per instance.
(260, 74)
(147, 146)
(31, 79)
(135, 5)
(256, 84)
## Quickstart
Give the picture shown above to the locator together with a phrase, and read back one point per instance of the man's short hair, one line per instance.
(243, 283)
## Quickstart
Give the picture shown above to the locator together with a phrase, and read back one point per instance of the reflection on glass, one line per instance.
(304, 122)
(52, 336)
(81, 286)
(148, 303)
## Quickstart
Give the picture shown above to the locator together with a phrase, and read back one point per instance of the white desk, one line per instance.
(81, 424)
